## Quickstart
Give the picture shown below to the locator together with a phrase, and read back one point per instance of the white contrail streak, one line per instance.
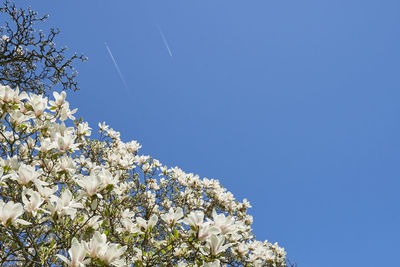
(117, 67)
(164, 40)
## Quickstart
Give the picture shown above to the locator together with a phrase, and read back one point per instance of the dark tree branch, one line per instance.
(29, 59)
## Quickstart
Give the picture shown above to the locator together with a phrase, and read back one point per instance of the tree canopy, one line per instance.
(73, 198)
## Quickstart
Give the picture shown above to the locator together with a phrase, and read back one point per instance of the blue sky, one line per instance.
(291, 104)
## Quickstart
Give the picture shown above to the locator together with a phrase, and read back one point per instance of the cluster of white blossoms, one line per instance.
(67, 198)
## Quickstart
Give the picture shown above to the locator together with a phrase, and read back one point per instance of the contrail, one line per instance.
(164, 40)
(117, 67)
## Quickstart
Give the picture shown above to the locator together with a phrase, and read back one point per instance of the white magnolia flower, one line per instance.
(129, 226)
(77, 253)
(97, 245)
(83, 129)
(225, 224)
(195, 218)
(46, 144)
(99, 248)
(46, 192)
(67, 165)
(59, 99)
(8, 95)
(112, 253)
(91, 184)
(215, 263)
(11, 211)
(5, 38)
(38, 103)
(34, 202)
(206, 230)
(147, 224)
(172, 217)
(27, 174)
(18, 118)
(93, 222)
(65, 204)
(66, 142)
(107, 178)
(216, 244)
(66, 113)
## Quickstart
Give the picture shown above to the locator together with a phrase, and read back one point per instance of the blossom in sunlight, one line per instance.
(26, 174)
(91, 184)
(18, 118)
(5, 38)
(83, 129)
(11, 211)
(58, 99)
(97, 245)
(206, 230)
(106, 178)
(8, 95)
(172, 217)
(147, 224)
(66, 142)
(46, 192)
(112, 253)
(195, 218)
(34, 202)
(215, 263)
(216, 244)
(46, 144)
(38, 104)
(77, 253)
(65, 204)
(66, 113)
(225, 224)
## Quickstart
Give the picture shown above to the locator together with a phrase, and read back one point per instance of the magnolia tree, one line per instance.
(69, 199)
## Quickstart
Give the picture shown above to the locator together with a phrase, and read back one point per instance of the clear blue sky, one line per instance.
(292, 104)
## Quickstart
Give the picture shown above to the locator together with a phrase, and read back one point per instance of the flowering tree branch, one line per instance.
(29, 59)
(68, 198)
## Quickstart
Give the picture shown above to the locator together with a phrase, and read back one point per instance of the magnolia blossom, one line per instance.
(172, 216)
(112, 253)
(59, 99)
(225, 224)
(11, 211)
(34, 202)
(66, 113)
(9, 95)
(18, 118)
(97, 245)
(27, 174)
(77, 253)
(216, 244)
(47, 192)
(66, 142)
(147, 224)
(215, 263)
(5, 38)
(65, 204)
(83, 129)
(195, 218)
(38, 104)
(91, 184)
(206, 230)
(106, 178)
